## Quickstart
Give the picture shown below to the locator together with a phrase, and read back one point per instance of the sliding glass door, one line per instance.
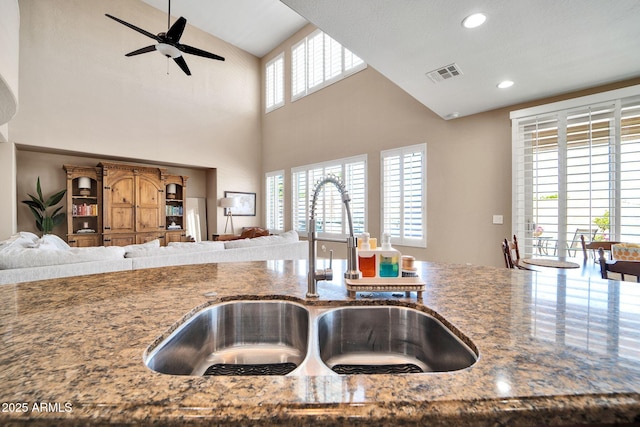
(577, 172)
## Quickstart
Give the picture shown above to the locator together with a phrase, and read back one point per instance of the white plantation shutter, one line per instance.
(355, 180)
(392, 194)
(573, 168)
(299, 200)
(299, 69)
(274, 83)
(404, 195)
(629, 224)
(274, 194)
(317, 61)
(331, 219)
(351, 61)
(332, 58)
(590, 146)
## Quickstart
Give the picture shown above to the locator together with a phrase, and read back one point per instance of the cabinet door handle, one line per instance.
(106, 227)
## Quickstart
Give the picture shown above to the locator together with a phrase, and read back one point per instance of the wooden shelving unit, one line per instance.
(84, 206)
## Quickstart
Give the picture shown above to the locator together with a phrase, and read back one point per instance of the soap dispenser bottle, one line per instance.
(366, 258)
(388, 258)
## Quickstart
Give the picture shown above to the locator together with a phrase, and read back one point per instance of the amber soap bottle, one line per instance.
(367, 260)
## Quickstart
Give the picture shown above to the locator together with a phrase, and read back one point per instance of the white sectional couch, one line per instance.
(26, 257)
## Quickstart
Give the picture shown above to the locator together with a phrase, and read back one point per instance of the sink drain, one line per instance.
(263, 369)
(406, 368)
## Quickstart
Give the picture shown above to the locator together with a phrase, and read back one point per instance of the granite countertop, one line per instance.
(554, 348)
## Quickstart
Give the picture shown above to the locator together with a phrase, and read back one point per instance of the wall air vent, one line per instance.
(444, 73)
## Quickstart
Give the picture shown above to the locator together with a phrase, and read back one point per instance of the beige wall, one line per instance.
(468, 159)
(9, 48)
(80, 94)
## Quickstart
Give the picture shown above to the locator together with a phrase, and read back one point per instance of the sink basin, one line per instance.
(287, 338)
(388, 339)
(236, 338)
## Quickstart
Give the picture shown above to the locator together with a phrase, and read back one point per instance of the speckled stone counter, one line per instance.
(554, 348)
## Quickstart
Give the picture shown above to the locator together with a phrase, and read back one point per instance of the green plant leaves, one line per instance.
(55, 199)
(38, 206)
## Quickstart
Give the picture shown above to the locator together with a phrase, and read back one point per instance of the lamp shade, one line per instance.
(227, 202)
(84, 182)
(171, 189)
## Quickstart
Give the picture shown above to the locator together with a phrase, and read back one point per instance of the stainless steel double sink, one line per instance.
(277, 337)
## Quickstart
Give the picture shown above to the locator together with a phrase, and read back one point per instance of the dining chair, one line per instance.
(631, 268)
(595, 246)
(508, 250)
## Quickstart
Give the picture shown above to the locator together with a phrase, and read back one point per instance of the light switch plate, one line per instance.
(498, 219)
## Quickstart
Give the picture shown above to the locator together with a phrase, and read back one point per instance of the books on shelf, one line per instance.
(173, 210)
(85, 209)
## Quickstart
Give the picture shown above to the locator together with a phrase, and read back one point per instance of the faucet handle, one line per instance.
(326, 273)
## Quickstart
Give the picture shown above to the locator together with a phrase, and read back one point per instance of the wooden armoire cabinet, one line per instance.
(133, 204)
(115, 204)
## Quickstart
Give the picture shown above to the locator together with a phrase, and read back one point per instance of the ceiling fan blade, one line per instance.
(133, 27)
(182, 64)
(142, 50)
(175, 32)
(199, 52)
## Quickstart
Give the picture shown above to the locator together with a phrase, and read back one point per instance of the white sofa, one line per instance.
(24, 257)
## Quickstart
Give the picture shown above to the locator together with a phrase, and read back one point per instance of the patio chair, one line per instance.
(576, 242)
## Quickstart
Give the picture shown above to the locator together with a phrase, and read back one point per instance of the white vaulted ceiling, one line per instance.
(547, 47)
(256, 26)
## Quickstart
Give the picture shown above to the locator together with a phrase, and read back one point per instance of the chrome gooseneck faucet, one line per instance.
(327, 273)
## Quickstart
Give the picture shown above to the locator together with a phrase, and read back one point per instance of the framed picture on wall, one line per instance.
(245, 204)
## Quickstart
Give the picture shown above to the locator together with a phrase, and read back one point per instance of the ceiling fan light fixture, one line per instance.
(168, 50)
(474, 20)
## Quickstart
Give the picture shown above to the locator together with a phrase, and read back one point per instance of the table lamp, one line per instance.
(84, 185)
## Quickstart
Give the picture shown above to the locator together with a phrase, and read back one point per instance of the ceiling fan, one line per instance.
(169, 43)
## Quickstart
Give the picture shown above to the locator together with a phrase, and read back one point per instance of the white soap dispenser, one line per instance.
(388, 258)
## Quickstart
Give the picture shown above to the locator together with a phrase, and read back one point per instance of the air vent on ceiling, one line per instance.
(444, 73)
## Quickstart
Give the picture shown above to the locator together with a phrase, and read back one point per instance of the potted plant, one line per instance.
(45, 220)
(602, 222)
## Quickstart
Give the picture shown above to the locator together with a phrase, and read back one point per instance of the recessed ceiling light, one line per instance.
(505, 84)
(474, 21)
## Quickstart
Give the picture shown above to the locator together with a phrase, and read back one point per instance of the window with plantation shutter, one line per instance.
(577, 172)
(274, 83)
(331, 219)
(404, 187)
(299, 69)
(274, 203)
(317, 61)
